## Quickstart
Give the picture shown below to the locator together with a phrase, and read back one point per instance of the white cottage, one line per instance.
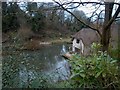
(77, 44)
(83, 39)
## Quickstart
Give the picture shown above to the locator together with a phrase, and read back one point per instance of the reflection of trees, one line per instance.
(20, 70)
(26, 76)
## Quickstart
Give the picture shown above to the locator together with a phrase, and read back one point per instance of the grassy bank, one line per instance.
(59, 40)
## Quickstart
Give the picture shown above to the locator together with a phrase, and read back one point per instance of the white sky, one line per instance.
(67, 0)
(61, 0)
(87, 9)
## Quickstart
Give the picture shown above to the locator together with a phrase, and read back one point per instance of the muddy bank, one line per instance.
(33, 44)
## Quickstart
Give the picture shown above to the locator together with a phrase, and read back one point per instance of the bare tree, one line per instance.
(108, 17)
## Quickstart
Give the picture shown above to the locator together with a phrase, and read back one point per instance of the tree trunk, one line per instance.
(119, 40)
(106, 31)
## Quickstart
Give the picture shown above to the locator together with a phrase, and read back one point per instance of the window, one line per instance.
(77, 41)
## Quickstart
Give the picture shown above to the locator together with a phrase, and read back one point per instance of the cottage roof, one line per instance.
(87, 35)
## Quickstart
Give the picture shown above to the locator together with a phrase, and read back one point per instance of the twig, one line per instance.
(110, 84)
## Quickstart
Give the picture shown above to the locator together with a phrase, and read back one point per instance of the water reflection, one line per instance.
(26, 76)
(46, 61)
(63, 50)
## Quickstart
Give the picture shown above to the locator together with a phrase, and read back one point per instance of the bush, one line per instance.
(96, 71)
(115, 53)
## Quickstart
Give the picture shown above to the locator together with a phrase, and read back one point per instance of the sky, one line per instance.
(87, 9)
(70, 0)
(61, 0)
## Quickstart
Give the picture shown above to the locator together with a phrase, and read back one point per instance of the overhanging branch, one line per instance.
(93, 28)
(100, 3)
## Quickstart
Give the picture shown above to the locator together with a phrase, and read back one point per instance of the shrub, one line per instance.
(115, 53)
(96, 71)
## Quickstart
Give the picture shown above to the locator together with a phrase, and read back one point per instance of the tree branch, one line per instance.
(93, 28)
(113, 18)
(93, 14)
(100, 3)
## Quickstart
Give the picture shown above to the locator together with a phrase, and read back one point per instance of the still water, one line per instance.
(21, 69)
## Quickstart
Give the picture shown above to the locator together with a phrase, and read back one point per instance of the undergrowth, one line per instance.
(99, 70)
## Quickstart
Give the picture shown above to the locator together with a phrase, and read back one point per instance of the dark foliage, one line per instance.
(9, 17)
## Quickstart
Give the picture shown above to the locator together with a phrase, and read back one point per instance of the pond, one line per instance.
(26, 68)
